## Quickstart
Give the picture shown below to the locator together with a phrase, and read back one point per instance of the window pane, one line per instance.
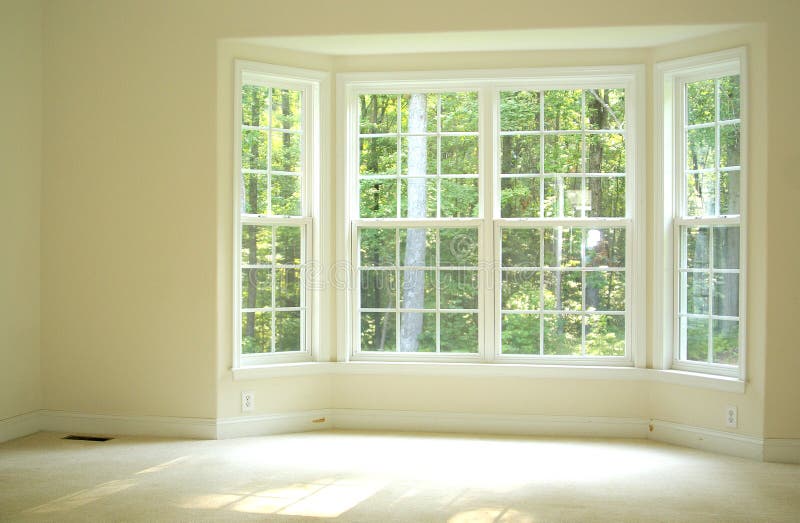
(694, 247)
(287, 331)
(729, 191)
(458, 247)
(605, 108)
(459, 197)
(459, 333)
(519, 197)
(563, 290)
(458, 289)
(605, 335)
(286, 148)
(378, 156)
(256, 332)
(701, 148)
(459, 112)
(287, 287)
(562, 246)
(285, 195)
(695, 335)
(417, 197)
(255, 105)
(726, 294)
(729, 97)
(729, 145)
(459, 155)
(378, 289)
(418, 155)
(700, 102)
(417, 247)
(726, 247)
(377, 247)
(520, 290)
(562, 153)
(378, 331)
(521, 247)
(254, 197)
(256, 288)
(605, 247)
(286, 109)
(605, 153)
(519, 111)
(378, 198)
(415, 120)
(520, 154)
(562, 110)
(574, 197)
(521, 333)
(605, 197)
(701, 194)
(254, 149)
(562, 334)
(726, 341)
(378, 113)
(256, 244)
(287, 245)
(417, 332)
(605, 291)
(417, 289)
(695, 292)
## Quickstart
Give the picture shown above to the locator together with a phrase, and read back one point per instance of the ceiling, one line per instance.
(472, 41)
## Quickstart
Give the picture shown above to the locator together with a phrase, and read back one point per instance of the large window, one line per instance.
(493, 219)
(277, 161)
(707, 205)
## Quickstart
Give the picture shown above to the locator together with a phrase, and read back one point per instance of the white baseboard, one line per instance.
(19, 426)
(281, 423)
(103, 424)
(516, 424)
(782, 450)
(750, 447)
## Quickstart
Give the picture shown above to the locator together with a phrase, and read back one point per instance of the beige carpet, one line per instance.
(378, 477)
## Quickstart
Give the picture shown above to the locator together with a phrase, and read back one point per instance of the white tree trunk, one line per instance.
(414, 281)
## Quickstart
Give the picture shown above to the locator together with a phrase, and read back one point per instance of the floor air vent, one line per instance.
(86, 438)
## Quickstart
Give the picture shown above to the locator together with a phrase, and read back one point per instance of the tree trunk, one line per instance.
(414, 281)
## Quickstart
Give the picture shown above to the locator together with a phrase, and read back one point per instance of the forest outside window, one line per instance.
(492, 220)
(275, 162)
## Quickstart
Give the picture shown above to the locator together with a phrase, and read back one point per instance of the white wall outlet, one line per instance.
(248, 401)
(731, 417)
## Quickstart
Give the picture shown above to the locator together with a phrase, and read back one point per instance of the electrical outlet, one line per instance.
(731, 417)
(248, 401)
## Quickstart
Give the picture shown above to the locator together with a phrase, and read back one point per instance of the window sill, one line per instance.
(488, 370)
(280, 370)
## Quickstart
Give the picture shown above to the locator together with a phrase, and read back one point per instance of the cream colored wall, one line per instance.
(782, 408)
(20, 189)
(136, 271)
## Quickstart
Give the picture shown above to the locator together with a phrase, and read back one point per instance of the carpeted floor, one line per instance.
(380, 477)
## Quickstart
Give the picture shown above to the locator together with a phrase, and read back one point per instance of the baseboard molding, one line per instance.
(19, 426)
(515, 424)
(73, 422)
(280, 423)
(782, 450)
(750, 447)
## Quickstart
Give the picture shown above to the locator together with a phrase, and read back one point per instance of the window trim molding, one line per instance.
(316, 86)
(632, 77)
(667, 77)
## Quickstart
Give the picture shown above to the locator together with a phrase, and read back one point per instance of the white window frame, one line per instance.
(489, 84)
(670, 79)
(314, 86)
